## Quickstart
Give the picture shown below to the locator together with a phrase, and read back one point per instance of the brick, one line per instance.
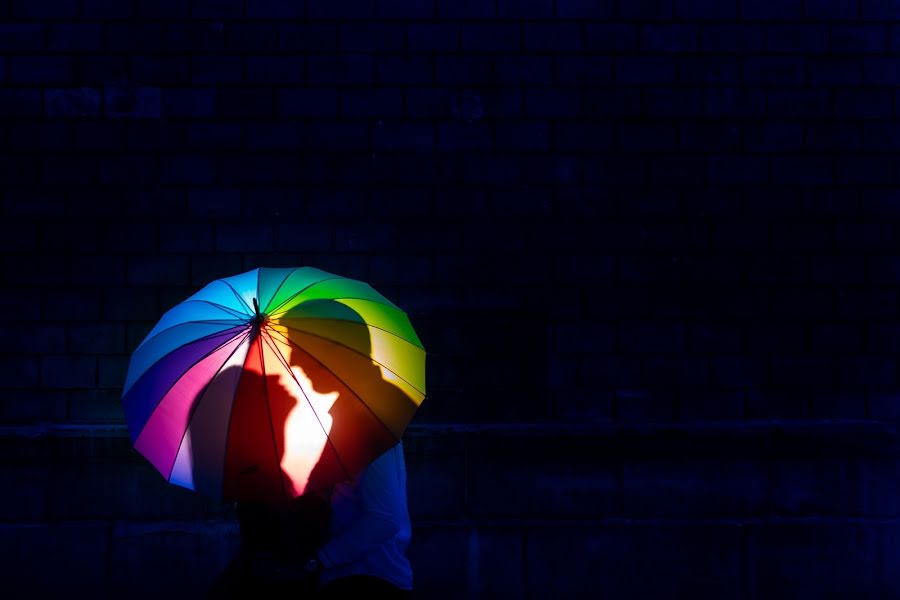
(213, 9)
(409, 270)
(670, 38)
(415, 69)
(719, 486)
(187, 168)
(859, 39)
(372, 37)
(828, 9)
(206, 135)
(732, 37)
(19, 372)
(403, 9)
(805, 38)
(180, 237)
(69, 371)
(764, 10)
(268, 9)
(591, 9)
(96, 338)
(835, 72)
(522, 135)
(838, 548)
(74, 37)
(128, 101)
(73, 102)
(705, 9)
(53, 9)
(584, 487)
(583, 70)
(463, 69)
(172, 550)
(274, 69)
(306, 36)
(867, 371)
(160, 69)
(40, 69)
(432, 37)
(881, 70)
(303, 237)
(308, 102)
(76, 550)
(611, 37)
(339, 68)
(863, 103)
(550, 37)
(256, 102)
(522, 69)
(244, 238)
(217, 69)
(161, 9)
(644, 69)
(879, 10)
(529, 9)
(21, 37)
(774, 70)
(157, 270)
(439, 558)
(838, 269)
(110, 9)
(95, 70)
(20, 102)
(552, 102)
(645, 9)
(403, 136)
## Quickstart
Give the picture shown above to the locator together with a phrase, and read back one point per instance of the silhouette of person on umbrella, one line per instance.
(349, 528)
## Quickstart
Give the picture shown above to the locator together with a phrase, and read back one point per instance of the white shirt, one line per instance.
(370, 529)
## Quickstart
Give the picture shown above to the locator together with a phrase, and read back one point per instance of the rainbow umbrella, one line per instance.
(273, 382)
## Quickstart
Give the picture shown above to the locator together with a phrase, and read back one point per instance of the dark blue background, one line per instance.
(652, 247)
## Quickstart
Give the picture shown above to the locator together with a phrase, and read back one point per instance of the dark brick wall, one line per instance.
(651, 245)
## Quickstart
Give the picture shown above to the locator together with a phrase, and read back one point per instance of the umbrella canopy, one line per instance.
(273, 382)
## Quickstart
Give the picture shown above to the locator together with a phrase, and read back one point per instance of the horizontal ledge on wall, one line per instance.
(882, 427)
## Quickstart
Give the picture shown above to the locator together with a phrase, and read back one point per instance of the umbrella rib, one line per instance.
(400, 337)
(322, 337)
(237, 317)
(228, 426)
(182, 374)
(237, 314)
(200, 339)
(378, 302)
(197, 405)
(239, 297)
(363, 402)
(298, 292)
(233, 322)
(278, 468)
(262, 309)
(287, 367)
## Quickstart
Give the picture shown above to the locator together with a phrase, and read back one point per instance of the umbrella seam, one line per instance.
(197, 405)
(278, 289)
(228, 427)
(287, 366)
(400, 337)
(238, 296)
(262, 363)
(177, 379)
(361, 354)
(175, 349)
(234, 313)
(298, 292)
(363, 402)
